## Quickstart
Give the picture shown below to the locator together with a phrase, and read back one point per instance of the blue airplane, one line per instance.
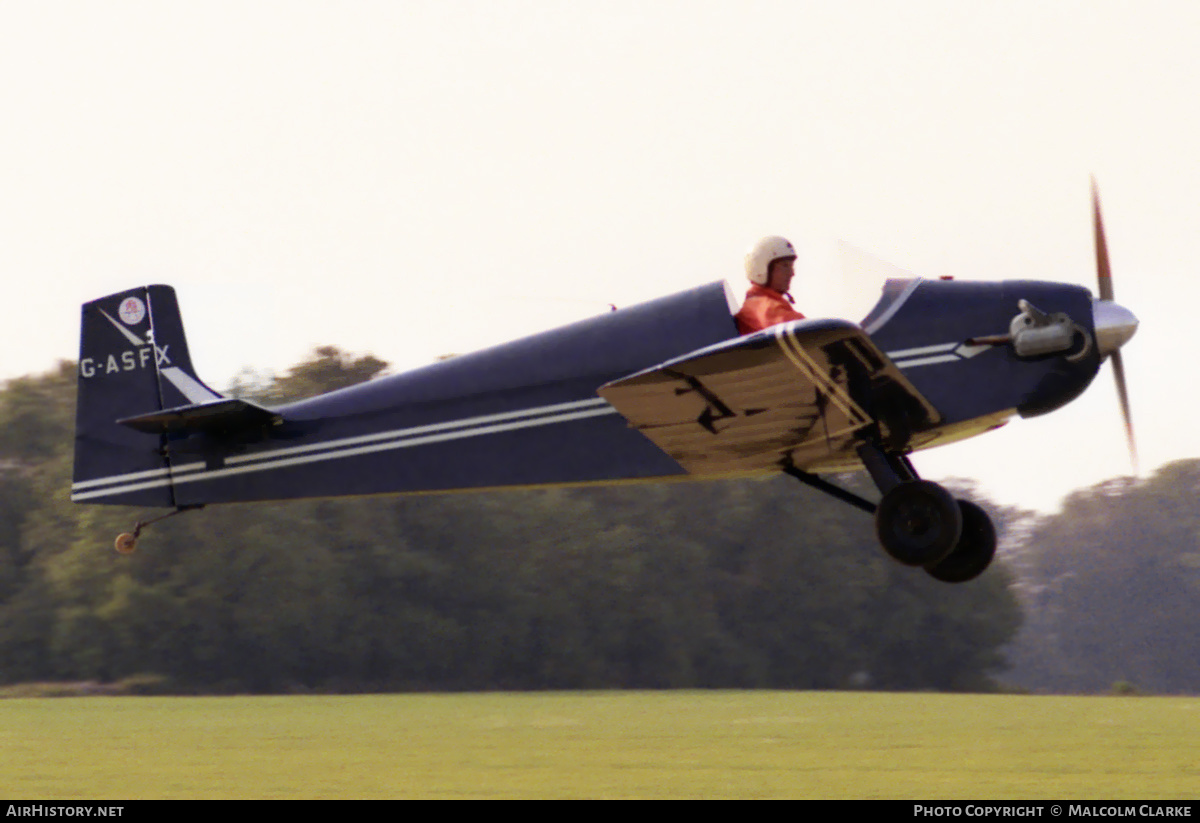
(666, 389)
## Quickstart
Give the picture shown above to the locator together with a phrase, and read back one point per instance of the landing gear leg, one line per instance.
(918, 522)
(126, 542)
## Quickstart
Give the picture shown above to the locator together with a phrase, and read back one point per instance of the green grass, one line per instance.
(602, 744)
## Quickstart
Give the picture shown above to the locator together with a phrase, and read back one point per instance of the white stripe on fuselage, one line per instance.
(929, 355)
(927, 361)
(347, 447)
(902, 353)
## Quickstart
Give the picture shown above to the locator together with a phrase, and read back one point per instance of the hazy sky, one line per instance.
(418, 178)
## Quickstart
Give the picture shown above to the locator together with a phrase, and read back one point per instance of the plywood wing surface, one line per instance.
(797, 392)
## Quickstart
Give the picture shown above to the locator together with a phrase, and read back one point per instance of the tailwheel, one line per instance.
(125, 543)
(975, 550)
(918, 523)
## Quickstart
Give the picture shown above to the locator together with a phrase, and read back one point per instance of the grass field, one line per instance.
(602, 744)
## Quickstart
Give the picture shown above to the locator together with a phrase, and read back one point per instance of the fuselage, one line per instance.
(527, 413)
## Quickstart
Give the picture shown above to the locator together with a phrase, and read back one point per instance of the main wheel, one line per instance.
(918, 523)
(975, 550)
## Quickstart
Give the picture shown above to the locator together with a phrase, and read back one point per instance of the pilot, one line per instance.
(770, 266)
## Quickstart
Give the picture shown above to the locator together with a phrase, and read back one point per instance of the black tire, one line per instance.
(918, 523)
(975, 550)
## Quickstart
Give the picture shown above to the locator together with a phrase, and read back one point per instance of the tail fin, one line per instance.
(133, 360)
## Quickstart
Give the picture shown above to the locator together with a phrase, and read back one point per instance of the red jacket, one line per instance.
(765, 307)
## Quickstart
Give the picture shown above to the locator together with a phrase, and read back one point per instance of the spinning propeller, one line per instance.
(1114, 324)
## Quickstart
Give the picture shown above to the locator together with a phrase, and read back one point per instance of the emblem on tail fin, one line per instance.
(133, 311)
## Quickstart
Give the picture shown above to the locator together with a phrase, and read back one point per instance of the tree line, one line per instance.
(752, 583)
(1110, 587)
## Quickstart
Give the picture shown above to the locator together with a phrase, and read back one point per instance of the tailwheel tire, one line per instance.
(125, 543)
(918, 523)
(975, 550)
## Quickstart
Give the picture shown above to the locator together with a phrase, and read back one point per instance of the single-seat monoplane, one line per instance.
(662, 390)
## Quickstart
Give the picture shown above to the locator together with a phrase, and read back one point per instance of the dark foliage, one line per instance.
(1112, 588)
(721, 584)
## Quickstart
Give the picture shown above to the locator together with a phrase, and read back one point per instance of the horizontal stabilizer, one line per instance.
(227, 415)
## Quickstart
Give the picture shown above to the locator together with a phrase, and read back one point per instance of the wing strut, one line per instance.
(829, 488)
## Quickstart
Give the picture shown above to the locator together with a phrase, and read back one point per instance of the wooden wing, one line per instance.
(800, 392)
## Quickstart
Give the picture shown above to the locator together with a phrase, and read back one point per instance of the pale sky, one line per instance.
(417, 178)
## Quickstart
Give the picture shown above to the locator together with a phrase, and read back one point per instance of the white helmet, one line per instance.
(763, 253)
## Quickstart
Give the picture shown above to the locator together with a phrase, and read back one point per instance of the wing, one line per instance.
(798, 392)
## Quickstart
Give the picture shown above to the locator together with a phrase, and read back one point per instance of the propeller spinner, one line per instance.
(1114, 324)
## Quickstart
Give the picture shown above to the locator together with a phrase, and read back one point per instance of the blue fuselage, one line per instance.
(527, 413)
